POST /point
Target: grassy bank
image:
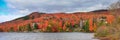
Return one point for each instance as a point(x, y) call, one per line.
point(109, 32)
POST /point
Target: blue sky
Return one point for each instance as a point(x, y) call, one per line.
point(11, 9)
point(2, 6)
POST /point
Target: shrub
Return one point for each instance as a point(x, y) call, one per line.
point(102, 32)
point(110, 32)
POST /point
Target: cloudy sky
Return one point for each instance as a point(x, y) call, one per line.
point(11, 9)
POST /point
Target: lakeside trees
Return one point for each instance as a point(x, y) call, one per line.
point(59, 23)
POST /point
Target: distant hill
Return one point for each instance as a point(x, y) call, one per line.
point(102, 10)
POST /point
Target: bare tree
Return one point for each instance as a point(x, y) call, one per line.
point(115, 10)
point(115, 5)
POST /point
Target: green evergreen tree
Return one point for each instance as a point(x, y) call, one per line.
point(35, 26)
point(86, 26)
point(26, 18)
point(29, 27)
point(71, 27)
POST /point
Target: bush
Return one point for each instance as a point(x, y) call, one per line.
point(108, 32)
point(102, 32)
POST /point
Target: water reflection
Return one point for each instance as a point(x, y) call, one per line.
point(46, 36)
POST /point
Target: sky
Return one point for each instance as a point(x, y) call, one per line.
point(12, 9)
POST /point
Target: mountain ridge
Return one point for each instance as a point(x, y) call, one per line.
point(37, 14)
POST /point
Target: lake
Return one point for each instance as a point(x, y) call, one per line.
point(47, 36)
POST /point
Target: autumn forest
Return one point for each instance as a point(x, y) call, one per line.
point(59, 22)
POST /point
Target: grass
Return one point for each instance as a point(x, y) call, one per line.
point(111, 32)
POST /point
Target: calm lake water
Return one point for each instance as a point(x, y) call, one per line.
point(47, 36)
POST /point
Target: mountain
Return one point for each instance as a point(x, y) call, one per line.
point(43, 20)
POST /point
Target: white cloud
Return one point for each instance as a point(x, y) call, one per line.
point(4, 18)
point(91, 8)
point(57, 5)
point(11, 6)
point(24, 11)
point(19, 8)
